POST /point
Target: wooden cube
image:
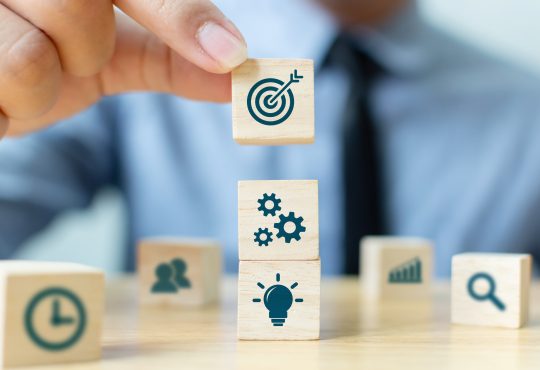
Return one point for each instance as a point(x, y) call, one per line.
point(51, 313)
point(278, 220)
point(279, 300)
point(491, 289)
point(396, 267)
point(272, 102)
point(176, 272)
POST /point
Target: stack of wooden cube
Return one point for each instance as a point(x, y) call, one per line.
point(278, 226)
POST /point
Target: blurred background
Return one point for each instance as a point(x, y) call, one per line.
point(509, 29)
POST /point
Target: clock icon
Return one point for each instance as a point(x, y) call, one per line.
point(55, 319)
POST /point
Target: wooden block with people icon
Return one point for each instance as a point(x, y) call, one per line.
point(491, 289)
point(178, 271)
point(273, 102)
point(50, 313)
point(396, 267)
point(279, 300)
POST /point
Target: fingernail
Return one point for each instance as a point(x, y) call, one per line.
point(224, 47)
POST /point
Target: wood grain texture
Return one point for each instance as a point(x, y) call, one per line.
point(302, 278)
point(298, 196)
point(298, 128)
point(382, 256)
point(355, 334)
point(203, 270)
point(511, 274)
point(21, 282)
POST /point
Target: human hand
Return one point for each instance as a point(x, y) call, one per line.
point(58, 57)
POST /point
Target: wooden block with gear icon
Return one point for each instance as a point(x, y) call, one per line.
point(279, 300)
point(178, 272)
point(273, 102)
point(396, 268)
point(51, 313)
point(278, 220)
point(491, 289)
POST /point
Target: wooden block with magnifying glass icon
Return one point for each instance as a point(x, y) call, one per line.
point(178, 271)
point(279, 300)
point(50, 313)
point(396, 268)
point(491, 289)
point(273, 102)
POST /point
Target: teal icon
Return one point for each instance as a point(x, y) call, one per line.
point(288, 227)
point(271, 101)
point(409, 272)
point(64, 329)
point(171, 277)
point(263, 237)
point(278, 299)
point(489, 294)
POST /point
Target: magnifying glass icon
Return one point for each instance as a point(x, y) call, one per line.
point(490, 294)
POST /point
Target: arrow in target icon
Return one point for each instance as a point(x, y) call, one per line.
point(294, 77)
point(271, 101)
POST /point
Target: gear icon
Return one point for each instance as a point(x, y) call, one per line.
point(298, 228)
point(263, 237)
point(263, 204)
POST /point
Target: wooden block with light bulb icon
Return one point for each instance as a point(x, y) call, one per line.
point(178, 271)
point(279, 300)
point(51, 313)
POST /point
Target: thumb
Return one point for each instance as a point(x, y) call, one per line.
point(195, 29)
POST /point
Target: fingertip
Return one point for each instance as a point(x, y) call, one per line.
point(222, 45)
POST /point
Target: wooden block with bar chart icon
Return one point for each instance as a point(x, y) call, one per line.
point(278, 220)
point(396, 267)
point(178, 272)
point(491, 289)
point(51, 313)
point(273, 102)
point(279, 300)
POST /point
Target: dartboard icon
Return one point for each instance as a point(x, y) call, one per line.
point(271, 101)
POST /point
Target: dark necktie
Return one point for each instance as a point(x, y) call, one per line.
point(361, 163)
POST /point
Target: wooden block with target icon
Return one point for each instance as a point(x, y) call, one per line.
point(278, 220)
point(279, 300)
point(50, 313)
point(273, 102)
point(491, 289)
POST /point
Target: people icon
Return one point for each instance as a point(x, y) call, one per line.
point(164, 284)
point(171, 277)
point(180, 268)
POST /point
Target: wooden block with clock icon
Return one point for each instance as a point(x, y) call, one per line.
point(50, 312)
point(178, 271)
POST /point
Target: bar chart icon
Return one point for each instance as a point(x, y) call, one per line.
point(409, 272)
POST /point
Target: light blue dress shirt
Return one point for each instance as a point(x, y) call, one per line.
point(459, 133)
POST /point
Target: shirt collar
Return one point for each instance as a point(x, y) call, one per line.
point(302, 29)
point(403, 44)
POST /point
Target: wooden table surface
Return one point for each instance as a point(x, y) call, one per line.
point(354, 335)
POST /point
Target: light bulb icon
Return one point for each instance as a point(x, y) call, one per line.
point(278, 299)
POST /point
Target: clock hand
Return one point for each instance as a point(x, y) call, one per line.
point(57, 319)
